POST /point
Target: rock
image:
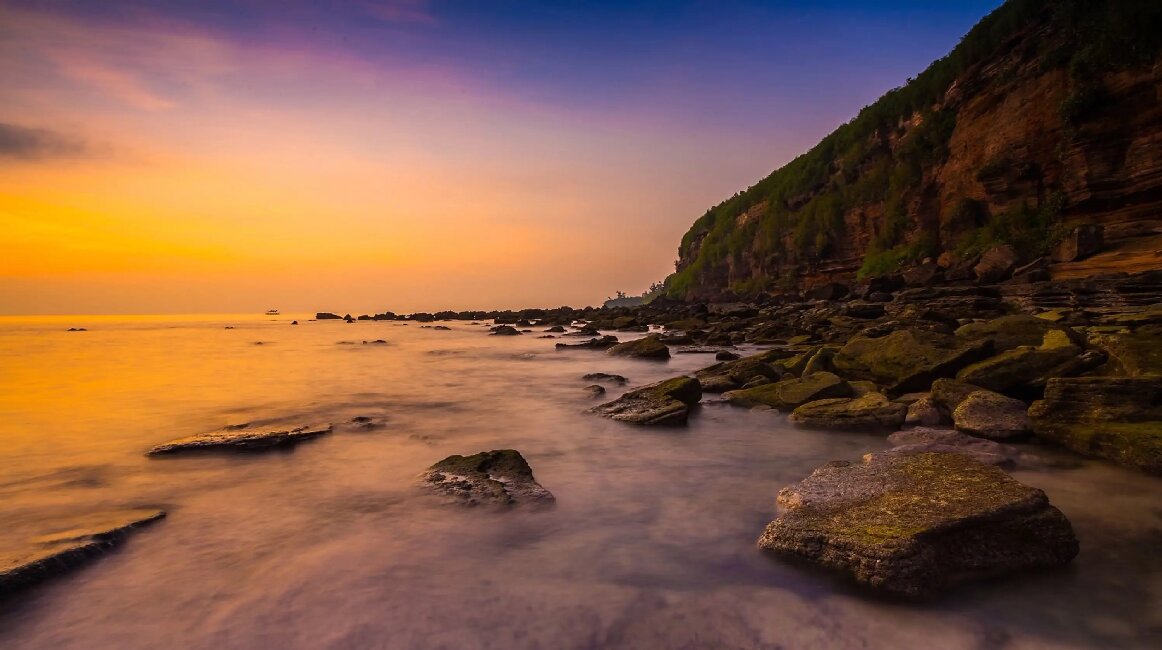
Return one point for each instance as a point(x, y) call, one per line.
point(923, 412)
point(602, 343)
point(789, 394)
point(441, 327)
point(731, 375)
point(827, 291)
point(907, 360)
point(375, 342)
point(991, 415)
point(294, 322)
point(67, 544)
point(604, 376)
point(870, 411)
point(596, 390)
point(649, 347)
point(81, 329)
point(242, 437)
point(326, 315)
point(556, 329)
point(664, 403)
point(498, 478)
point(1081, 242)
point(996, 264)
point(923, 275)
point(947, 394)
point(725, 355)
point(504, 330)
point(1132, 354)
point(1119, 419)
point(1023, 371)
point(1008, 332)
point(922, 440)
point(915, 525)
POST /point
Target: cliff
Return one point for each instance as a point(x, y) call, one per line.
point(1041, 130)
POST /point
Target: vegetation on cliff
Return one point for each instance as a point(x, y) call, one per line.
point(882, 161)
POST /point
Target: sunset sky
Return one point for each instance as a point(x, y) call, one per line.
point(176, 156)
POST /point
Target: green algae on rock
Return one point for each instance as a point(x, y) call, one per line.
point(731, 375)
point(68, 544)
point(915, 525)
point(789, 394)
point(909, 359)
point(986, 414)
point(664, 403)
point(867, 412)
point(501, 477)
point(1115, 418)
point(649, 347)
point(1008, 332)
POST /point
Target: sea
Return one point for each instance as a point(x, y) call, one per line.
point(651, 543)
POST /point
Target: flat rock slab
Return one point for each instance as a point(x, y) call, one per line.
point(921, 440)
point(664, 403)
point(68, 544)
point(500, 477)
point(914, 525)
point(872, 411)
point(243, 437)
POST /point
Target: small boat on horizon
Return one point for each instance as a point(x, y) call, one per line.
point(272, 312)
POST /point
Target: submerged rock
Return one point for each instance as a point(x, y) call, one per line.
point(1119, 419)
point(605, 376)
point(870, 411)
point(907, 360)
point(918, 524)
point(790, 394)
point(67, 545)
point(504, 330)
point(664, 403)
point(500, 477)
point(649, 347)
point(603, 343)
point(596, 390)
point(991, 415)
point(922, 440)
point(241, 437)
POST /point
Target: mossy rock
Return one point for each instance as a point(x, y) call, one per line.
point(1115, 418)
point(869, 412)
point(501, 477)
point(990, 415)
point(788, 394)
point(908, 360)
point(731, 375)
point(1023, 370)
point(664, 403)
point(821, 361)
point(917, 524)
point(1008, 332)
point(947, 394)
point(1132, 354)
point(649, 347)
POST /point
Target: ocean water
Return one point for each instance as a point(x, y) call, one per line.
point(651, 543)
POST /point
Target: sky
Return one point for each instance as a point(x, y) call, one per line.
point(407, 155)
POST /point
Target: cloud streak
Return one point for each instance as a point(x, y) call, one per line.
point(25, 143)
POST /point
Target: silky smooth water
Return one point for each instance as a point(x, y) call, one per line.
point(651, 543)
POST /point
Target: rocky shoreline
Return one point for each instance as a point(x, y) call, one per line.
point(952, 376)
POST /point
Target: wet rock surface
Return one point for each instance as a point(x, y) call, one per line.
point(501, 477)
point(915, 525)
point(664, 403)
point(991, 415)
point(789, 394)
point(868, 412)
point(920, 440)
point(68, 544)
point(600, 343)
point(908, 359)
point(1115, 418)
point(649, 347)
point(241, 438)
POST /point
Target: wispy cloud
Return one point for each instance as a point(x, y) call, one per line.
point(400, 11)
point(25, 143)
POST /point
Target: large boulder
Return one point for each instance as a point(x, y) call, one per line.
point(62, 545)
point(1008, 332)
point(1024, 370)
point(788, 394)
point(1132, 354)
point(947, 394)
point(922, 440)
point(991, 415)
point(996, 264)
point(1119, 419)
point(907, 360)
point(501, 477)
point(1081, 242)
point(870, 411)
point(649, 347)
point(917, 524)
point(241, 437)
point(731, 375)
point(664, 403)
point(924, 412)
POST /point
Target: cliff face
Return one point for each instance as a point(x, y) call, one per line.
point(1046, 118)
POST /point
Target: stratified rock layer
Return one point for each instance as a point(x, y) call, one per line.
point(243, 437)
point(918, 524)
